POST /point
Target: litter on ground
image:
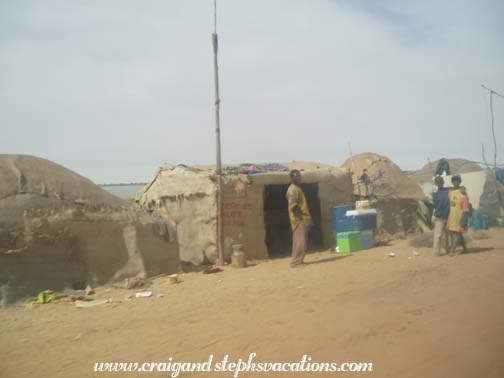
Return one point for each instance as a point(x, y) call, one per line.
point(96, 302)
point(143, 294)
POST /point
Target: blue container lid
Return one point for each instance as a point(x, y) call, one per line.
point(339, 212)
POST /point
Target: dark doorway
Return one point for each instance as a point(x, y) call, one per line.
point(276, 219)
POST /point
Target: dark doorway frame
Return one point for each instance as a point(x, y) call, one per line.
point(276, 219)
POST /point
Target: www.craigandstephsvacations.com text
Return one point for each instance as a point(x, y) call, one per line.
point(304, 365)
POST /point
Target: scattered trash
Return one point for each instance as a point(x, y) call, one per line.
point(79, 335)
point(173, 278)
point(415, 253)
point(14, 251)
point(96, 302)
point(75, 298)
point(107, 290)
point(212, 269)
point(391, 254)
point(46, 296)
point(89, 290)
point(143, 294)
point(337, 249)
point(160, 295)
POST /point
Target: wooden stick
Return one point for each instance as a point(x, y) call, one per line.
point(218, 170)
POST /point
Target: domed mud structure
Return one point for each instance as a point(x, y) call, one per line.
point(58, 229)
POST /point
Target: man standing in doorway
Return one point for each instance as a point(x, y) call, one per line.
point(441, 201)
point(300, 218)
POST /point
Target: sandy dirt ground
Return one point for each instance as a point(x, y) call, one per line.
point(421, 316)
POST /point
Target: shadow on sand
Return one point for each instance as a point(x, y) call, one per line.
point(478, 250)
point(328, 259)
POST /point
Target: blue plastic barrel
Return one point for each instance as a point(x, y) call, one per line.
point(339, 212)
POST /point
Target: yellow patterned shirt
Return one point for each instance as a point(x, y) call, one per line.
point(296, 197)
point(459, 204)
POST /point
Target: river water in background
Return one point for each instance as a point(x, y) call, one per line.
point(124, 191)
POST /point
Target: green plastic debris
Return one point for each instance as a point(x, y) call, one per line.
point(46, 296)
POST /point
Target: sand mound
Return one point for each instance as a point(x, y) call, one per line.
point(28, 182)
point(398, 200)
point(456, 165)
point(388, 180)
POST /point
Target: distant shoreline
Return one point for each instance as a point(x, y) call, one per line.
point(124, 184)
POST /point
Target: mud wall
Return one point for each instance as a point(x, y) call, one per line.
point(56, 252)
point(243, 217)
point(243, 207)
point(399, 217)
point(188, 197)
point(196, 222)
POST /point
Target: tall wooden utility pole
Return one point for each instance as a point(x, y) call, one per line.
point(218, 160)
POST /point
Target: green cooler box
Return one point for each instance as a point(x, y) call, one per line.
point(350, 241)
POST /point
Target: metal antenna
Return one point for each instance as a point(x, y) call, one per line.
point(492, 92)
point(215, 16)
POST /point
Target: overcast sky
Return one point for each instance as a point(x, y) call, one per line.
point(113, 89)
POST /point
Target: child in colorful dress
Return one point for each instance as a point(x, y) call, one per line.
point(459, 215)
